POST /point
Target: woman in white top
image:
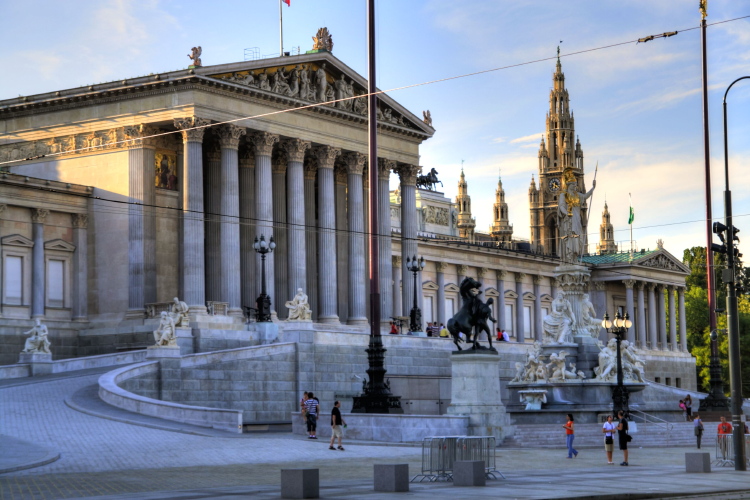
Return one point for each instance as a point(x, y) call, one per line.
point(609, 429)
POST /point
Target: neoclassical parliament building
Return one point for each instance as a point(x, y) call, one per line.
point(118, 197)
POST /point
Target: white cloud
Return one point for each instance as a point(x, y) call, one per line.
point(527, 138)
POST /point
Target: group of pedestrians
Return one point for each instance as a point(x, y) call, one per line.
point(609, 429)
point(310, 408)
point(686, 405)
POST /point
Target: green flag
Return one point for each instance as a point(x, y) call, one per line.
point(632, 214)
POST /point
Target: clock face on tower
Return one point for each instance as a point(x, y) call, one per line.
point(554, 184)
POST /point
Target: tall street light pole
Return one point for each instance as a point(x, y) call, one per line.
point(263, 302)
point(620, 394)
point(733, 324)
point(415, 317)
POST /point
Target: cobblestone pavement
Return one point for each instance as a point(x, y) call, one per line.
point(104, 457)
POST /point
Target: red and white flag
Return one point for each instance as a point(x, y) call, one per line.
point(287, 2)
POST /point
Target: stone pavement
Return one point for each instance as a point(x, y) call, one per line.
point(101, 455)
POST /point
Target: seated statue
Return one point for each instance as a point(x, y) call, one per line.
point(632, 365)
point(37, 343)
point(165, 335)
point(588, 320)
point(534, 369)
point(180, 313)
point(299, 307)
point(558, 369)
point(558, 324)
point(607, 368)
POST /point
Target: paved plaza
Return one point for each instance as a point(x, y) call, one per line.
point(93, 451)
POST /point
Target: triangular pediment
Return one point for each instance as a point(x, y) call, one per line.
point(300, 80)
point(491, 292)
point(16, 240)
point(59, 245)
point(510, 294)
point(430, 285)
point(546, 298)
point(662, 260)
point(452, 287)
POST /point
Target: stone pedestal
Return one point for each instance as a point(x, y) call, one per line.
point(475, 392)
point(268, 332)
point(185, 340)
point(392, 478)
point(300, 483)
point(163, 351)
point(40, 363)
point(587, 354)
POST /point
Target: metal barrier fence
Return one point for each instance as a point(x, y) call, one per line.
point(440, 453)
point(725, 450)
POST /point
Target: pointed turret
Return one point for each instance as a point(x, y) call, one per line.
point(466, 223)
point(501, 228)
point(606, 233)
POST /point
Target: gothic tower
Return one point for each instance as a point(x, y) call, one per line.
point(466, 223)
point(606, 234)
point(555, 155)
point(501, 229)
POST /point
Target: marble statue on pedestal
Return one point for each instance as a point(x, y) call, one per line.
point(558, 370)
point(589, 322)
point(558, 324)
point(632, 364)
point(180, 313)
point(299, 307)
point(37, 343)
point(570, 219)
point(607, 368)
point(166, 334)
point(534, 398)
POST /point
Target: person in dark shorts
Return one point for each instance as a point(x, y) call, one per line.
point(622, 434)
point(311, 405)
point(336, 423)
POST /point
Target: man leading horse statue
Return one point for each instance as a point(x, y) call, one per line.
point(472, 317)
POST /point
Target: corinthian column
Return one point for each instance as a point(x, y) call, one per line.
point(231, 292)
point(662, 317)
point(384, 241)
point(247, 225)
point(342, 240)
point(440, 267)
point(263, 143)
point(80, 267)
point(683, 324)
point(141, 223)
point(327, 281)
point(672, 320)
point(281, 257)
point(520, 334)
point(38, 280)
point(193, 266)
point(408, 175)
point(653, 334)
point(629, 306)
point(500, 275)
point(212, 204)
point(641, 317)
point(311, 237)
point(295, 214)
point(355, 164)
point(538, 332)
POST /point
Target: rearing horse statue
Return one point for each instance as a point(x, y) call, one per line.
point(472, 317)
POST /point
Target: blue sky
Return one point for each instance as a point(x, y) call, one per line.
point(637, 106)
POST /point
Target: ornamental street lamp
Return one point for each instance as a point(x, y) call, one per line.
point(619, 328)
point(263, 302)
point(415, 317)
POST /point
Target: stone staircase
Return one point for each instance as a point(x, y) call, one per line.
point(590, 435)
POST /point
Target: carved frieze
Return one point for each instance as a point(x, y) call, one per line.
point(436, 215)
point(661, 262)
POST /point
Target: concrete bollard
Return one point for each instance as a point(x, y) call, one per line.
point(391, 477)
point(698, 462)
point(469, 473)
point(300, 483)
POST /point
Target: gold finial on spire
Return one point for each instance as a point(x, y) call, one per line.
point(703, 7)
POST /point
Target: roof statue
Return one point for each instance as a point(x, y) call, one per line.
point(571, 224)
point(323, 40)
point(195, 55)
point(427, 117)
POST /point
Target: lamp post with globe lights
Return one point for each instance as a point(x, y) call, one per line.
point(263, 302)
point(415, 317)
point(619, 328)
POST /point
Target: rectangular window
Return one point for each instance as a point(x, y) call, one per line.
point(668, 381)
point(449, 308)
point(657, 380)
point(427, 313)
point(527, 322)
point(55, 283)
point(13, 273)
point(509, 319)
point(677, 382)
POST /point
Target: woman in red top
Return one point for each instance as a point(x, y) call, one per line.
point(570, 436)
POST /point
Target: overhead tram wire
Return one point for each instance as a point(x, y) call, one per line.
point(404, 87)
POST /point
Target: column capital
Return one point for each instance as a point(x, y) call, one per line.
point(295, 149)
point(639, 285)
point(681, 290)
point(537, 279)
point(38, 215)
point(441, 266)
point(192, 127)
point(262, 142)
point(311, 167)
point(279, 161)
point(365, 178)
point(246, 156)
point(2, 208)
point(520, 277)
point(672, 288)
point(482, 272)
point(599, 286)
point(407, 173)
point(355, 162)
point(629, 284)
point(326, 155)
point(659, 287)
point(650, 286)
point(229, 135)
point(80, 221)
point(340, 174)
point(135, 135)
point(461, 269)
point(213, 150)
point(384, 168)
point(500, 274)
point(396, 260)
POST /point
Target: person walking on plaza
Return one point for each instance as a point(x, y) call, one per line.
point(311, 405)
point(698, 428)
point(609, 440)
point(336, 426)
point(570, 436)
point(623, 437)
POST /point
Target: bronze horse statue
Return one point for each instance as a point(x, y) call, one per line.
point(429, 180)
point(472, 318)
